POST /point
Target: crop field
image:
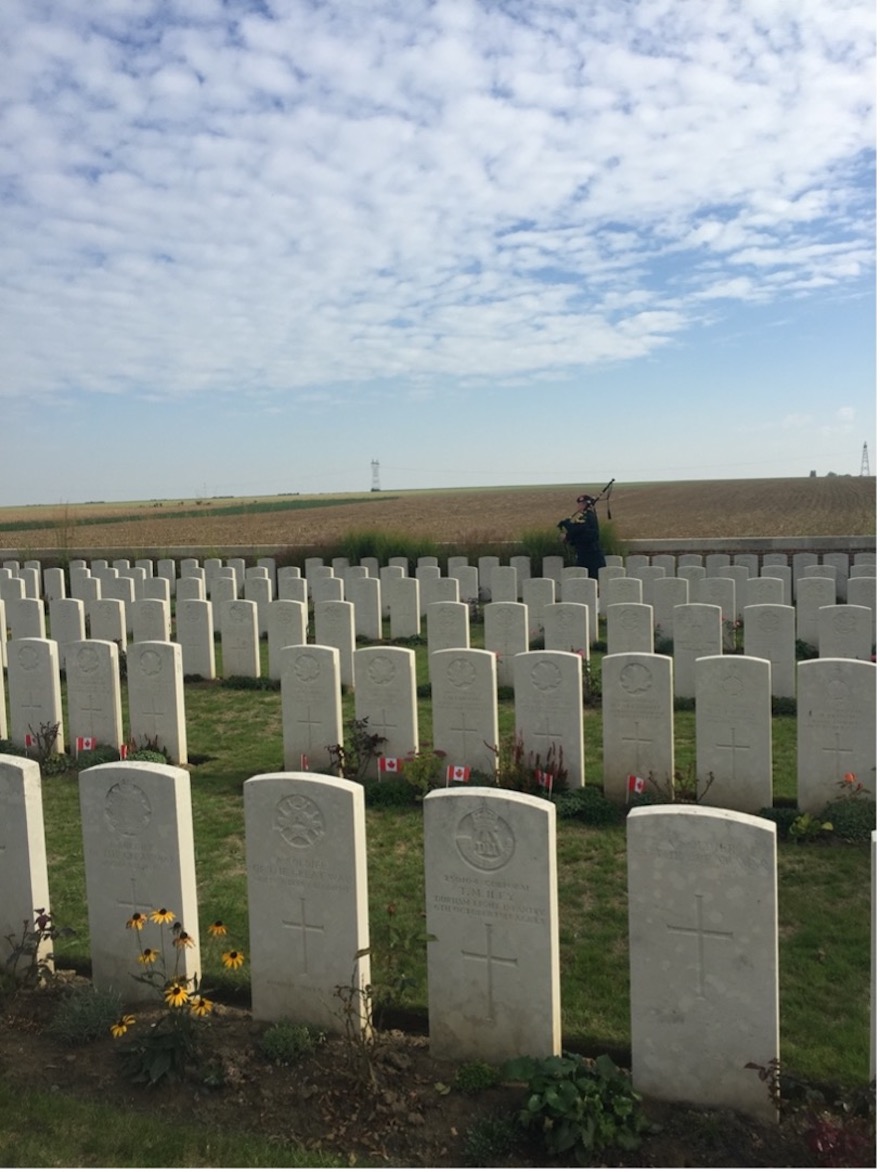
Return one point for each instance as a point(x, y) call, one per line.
point(796, 507)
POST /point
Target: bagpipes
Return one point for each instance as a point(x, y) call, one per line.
point(590, 502)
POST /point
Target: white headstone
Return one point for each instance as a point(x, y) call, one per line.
point(24, 878)
point(94, 701)
point(504, 584)
point(307, 898)
point(505, 633)
point(836, 729)
point(668, 594)
point(637, 727)
point(67, 622)
point(812, 592)
point(464, 708)
point(385, 696)
point(768, 633)
point(696, 631)
point(536, 594)
point(139, 857)
point(567, 627)
point(404, 608)
point(34, 692)
point(334, 627)
point(155, 697)
point(239, 638)
point(150, 620)
point(195, 634)
point(845, 632)
point(584, 590)
point(704, 984)
point(733, 732)
point(365, 596)
point(288, 627)
point(448, 626)
point(630, 627)
point(492, 919)
point(549, 711)
point(311, 705)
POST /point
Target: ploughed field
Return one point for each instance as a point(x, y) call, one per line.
point(795, 507)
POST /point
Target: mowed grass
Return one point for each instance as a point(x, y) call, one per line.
point(824, 890)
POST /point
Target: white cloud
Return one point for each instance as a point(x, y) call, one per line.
point(206, 198)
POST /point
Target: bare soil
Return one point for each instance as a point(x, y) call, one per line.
point(410, 1116)
point(793, 507)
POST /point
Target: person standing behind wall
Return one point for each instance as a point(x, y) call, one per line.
point(581, 532)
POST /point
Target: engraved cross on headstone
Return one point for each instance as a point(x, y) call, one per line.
point(304, 929)
point(489, 959)
point(701, 935)
point(133, 904)
point(638, 742)
point(381, 722)
point(463, 728)
point(733, 747)
point(838, 752)
point(552, 738)
point(310, 724)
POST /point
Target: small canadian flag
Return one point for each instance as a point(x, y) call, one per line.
point(635, 785)
point(544, 780)
point(29, 740)
point(457, 773)
point(123, 752)
point(84, 744)
point(390, 764)
point(304, 762)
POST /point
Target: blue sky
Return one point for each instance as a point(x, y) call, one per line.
point(249, 247)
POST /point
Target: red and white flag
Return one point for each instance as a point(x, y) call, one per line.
point(85, 744)
point(458, 773)
point(30, 741)
point(304, 762)
point(123, 752)
point(544, 780)
point(634, 785)
point(390, 764)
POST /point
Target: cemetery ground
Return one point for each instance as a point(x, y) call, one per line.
point(70, 1104)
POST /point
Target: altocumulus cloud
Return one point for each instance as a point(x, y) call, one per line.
point(204, 196)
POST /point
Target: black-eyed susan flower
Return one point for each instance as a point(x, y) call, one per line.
point(233, 959)
point(137, 921)
point(201, 1006)
point(121, 1027)
point(149, 956)
point(176, 993)
point(161, 915)
point(218, 928)
point(184, 940)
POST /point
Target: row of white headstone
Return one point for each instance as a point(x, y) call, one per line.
point(836, 714)
point(703, 932)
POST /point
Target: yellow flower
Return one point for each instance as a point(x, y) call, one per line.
point(183, 940)
point(162, 916)
point(149, 956)
point(218, 928)
point(137, 921)
point(233, 959)
point(121, 1027)
point(201, 1006)
point(176, 993)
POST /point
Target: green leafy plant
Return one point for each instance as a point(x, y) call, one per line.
point(475, 1076)
point(580, 1106)
point(85, 1014)
point(807, 828)
point(288, 1042)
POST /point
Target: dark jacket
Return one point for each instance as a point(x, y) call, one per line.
point(581, 532)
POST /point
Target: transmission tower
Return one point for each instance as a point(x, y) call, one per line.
point(866, 469)
point(374, 464)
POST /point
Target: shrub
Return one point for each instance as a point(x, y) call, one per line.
point(84, 1014)
point(783, 816)
point(587, 805)
point(475, 1076)
point(288, 1042)
point(853, 821)
point(389, 793)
